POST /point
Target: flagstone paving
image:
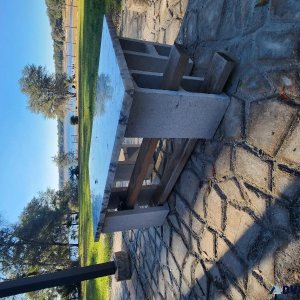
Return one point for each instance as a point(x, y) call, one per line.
point(234, 226)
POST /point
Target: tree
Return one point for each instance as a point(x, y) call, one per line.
point(47, 93)
point(74, 120)
point(39, 242)
point(55, 12)
point(104, 92)
point(36, 244)
point(69, 194)
point(51, 293)
point(64, 159)
point(74, 172)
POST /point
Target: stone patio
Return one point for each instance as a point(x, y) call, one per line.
point(234, 227)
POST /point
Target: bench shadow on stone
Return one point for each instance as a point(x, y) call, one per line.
point(157, 265)
point(231, 270)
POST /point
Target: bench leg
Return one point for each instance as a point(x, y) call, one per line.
point(136, 218)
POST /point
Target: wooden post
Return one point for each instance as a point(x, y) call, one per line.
point(175, 68)
point(140, 169)
point(174, 71)
point(219, 70)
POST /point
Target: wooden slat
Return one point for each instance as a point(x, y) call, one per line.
point(147, 62)
point(219, 70)
point(175, 68)
point(140, 169)
point(174, 71)
point(151, 49)
point(136, 218)
point(173, 170)
point(214, 82)
point(152, 80)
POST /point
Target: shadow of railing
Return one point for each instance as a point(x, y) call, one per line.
point(273, 236)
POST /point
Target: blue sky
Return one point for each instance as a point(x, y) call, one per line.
point(28, 141)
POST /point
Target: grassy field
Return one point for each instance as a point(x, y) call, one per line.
point(91, 14)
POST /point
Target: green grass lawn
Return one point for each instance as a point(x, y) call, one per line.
point(91, 14)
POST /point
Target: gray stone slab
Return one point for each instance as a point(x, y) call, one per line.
point(130, 153)
point(124, 171)
point(147, 62)
point(160, 49)
point(112, 107)
point(119, 194)
point(277, 46)
point(163, 114)
point(135, 218)
point(133, 45)
point(152, 80)
point(288, 10)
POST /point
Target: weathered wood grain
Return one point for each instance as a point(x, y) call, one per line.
point(219, 70)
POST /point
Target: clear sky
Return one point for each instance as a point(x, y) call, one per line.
point(28, 141)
